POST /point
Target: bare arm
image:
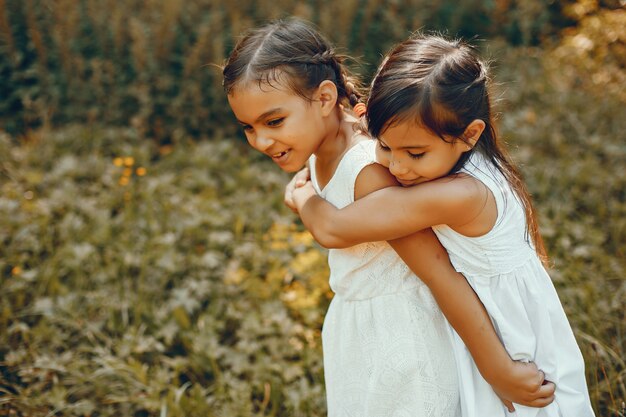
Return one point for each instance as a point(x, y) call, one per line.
point(422, 252)
point(390, 213)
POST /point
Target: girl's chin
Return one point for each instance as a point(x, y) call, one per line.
point(290, 169)
point(290, 165)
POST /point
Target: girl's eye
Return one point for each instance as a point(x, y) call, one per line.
point(275, 122)
point(417, 155)
point(246, 128)
point(382, 147)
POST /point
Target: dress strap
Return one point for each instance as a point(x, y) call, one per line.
point(361, 155)
point(352, 163)
point(486, 172)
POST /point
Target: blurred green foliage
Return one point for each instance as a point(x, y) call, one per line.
point(144, 62)
point(139, 280)
point(165, 277)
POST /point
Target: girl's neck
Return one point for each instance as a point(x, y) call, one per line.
point(341, 137)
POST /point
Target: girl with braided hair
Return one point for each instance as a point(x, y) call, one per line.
point(387, 351)
point(430, 110)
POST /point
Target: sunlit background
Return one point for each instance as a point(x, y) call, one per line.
point(148, 265)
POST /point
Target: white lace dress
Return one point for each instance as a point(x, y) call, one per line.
point(504, 270)
point(387, 349)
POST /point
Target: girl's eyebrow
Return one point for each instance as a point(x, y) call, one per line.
point(405, 147)
point(414, 147)
point(264, 115)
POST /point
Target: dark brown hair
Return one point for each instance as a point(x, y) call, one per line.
point(442, 85)
point(293, 52)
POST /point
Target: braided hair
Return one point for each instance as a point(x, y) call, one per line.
point(293, 53)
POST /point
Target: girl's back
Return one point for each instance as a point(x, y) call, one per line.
point(509, 278)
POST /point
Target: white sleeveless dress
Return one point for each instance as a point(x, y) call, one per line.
point(510, 280)
point(387, 348)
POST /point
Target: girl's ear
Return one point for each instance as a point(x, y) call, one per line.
point(327, 96)
point(473, 131)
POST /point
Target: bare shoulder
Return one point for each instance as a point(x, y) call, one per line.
point(372, 178)
point(458, 188)
point(469, 203)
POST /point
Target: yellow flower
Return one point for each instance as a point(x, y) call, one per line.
point(124, 181)
point(141, 171)
point(303, 238)
point(305, 262)
point(129, 161)
point(118, 162)
point(127, 172)
point(279, 245)
point(16, 270)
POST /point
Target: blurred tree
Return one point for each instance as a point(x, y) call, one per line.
point(143, 63)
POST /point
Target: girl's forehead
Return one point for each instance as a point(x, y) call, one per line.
point(403, 127)
point(252, 99)
point(261, 88)
point(408, 132)
point(273, 79)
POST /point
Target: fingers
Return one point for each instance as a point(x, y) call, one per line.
point(543, 396)
point(291, 205)
point(542, 377)
point(533, 389)
point(298, 180)
point(288, 198)
point(536, 377)
point(542, 402)
point(302, 177)
point(546, 390)
point(543, 389)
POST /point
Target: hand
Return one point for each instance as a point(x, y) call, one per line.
point(526, 385)
point(302, 194)
point(298, 180)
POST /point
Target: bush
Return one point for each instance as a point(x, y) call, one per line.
point(138, 281)
point(148, 63)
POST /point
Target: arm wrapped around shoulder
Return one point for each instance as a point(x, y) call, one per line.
point(317, 216)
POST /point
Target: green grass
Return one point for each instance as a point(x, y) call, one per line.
point(159, 296)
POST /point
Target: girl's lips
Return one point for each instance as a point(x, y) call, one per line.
point(281, 157)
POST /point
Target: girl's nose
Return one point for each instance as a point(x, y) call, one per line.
point(396, 167)
point(262, 143)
